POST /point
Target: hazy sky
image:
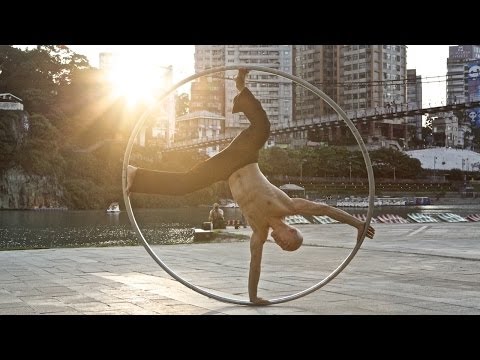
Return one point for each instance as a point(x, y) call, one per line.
point(180, 56)
point(429, 60)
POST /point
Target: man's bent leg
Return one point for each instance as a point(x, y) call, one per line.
point(161, 182)
point(198, 177)
point(242, 151)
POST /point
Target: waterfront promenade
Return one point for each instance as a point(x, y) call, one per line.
point(406, 269)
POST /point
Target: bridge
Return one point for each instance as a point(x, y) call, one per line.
point(360, 116)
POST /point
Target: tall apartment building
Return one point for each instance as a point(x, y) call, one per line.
point(208, 92)
point(317, 64)
point(209, 56)
point(372, 76)
point(414, 98)
point(457, 68)
point(274, 92)
point(357, 77)
point(463, 80)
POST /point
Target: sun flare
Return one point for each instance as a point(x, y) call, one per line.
point(136, 81)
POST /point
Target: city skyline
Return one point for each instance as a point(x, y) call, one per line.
point(430, 61)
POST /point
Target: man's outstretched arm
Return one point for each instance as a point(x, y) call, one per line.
point(306, 207)
point(256, 250)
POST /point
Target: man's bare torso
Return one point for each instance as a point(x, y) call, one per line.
point(257, 197)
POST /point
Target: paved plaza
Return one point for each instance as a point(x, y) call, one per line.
point(407, 269)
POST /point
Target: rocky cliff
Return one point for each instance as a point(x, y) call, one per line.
point(13, 130)
point(19, 190)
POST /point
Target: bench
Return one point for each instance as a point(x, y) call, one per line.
point(203, 235)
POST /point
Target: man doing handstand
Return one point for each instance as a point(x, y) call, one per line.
point(264, 205)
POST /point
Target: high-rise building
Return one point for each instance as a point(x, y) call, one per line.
point(317, 64)
point(463, 80)
point(414, 99)
point(458, 58)
point(372, 76)
point(209, 56)
point(274, 92)
point(208, 92)
point(357, 77)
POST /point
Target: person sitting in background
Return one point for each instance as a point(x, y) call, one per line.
point(216, 217)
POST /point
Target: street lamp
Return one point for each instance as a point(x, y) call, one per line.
point(394, 177)
point(434, 173)
point(350, 167)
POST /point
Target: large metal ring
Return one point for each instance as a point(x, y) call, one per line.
point(323, 96)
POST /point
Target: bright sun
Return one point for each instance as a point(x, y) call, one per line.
point(138, 82)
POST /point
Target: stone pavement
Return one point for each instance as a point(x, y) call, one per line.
point(406, 269)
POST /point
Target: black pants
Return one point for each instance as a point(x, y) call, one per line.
point(243, 150)
point(218, 224)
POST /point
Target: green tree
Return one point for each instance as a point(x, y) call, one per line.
point(278, 161)
point(385, 160)
point(38, 75)
point(40, 154)
point(455, 175)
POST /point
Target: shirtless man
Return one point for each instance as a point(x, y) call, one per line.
point(263, 204)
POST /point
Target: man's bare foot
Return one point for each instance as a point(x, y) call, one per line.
point(240, 79)
point(370, 232)
point(131, 171)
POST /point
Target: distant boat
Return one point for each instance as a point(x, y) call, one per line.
point(113, 208)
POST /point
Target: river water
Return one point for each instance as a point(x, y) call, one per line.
point(52, 229)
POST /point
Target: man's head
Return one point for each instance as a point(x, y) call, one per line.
point(287, 237)
point(216, 206)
